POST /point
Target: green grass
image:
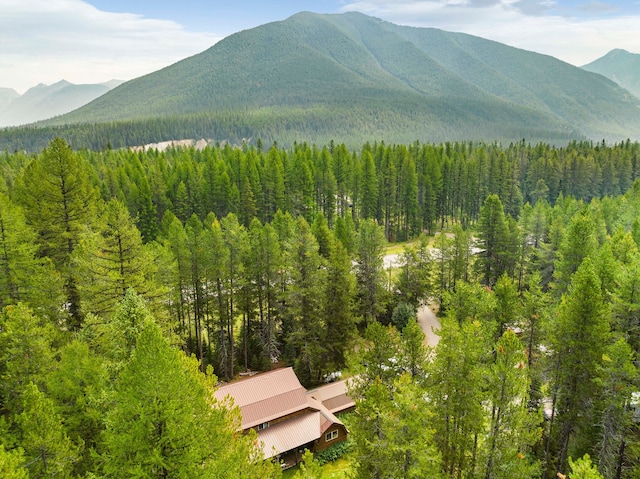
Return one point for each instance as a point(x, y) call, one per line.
point(397, 248)
point(332, 470)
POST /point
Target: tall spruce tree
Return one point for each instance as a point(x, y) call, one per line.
point(114, 259)
point(165, 423)
point(59, 201)
point(578, 339)
point(369, 270)
point(23, 276)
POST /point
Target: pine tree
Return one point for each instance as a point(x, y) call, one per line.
point(493, 235)
point(369, 187)
point(339, 307)
point(48, 450)
point(578, 337)
point(262, 269)
point(112, 260)
point(11, 464)
point(455, 382)
point(306, 329)
point(513, 428)
point(26, 354)
point(414, 280)
point(579, 241)
point(23, 276)
point(59, 201)
point(616, 383)
point(235, 239)
point(369, 270)
point(165, 422)
point(79, 386)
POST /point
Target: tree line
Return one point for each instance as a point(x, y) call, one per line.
point(538, 302)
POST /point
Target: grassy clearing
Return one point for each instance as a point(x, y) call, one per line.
point(397, 248)
point(337, 469)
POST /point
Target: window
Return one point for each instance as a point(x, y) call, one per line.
point(330, 436)
point(262, 426)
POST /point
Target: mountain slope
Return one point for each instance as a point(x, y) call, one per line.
point(42, 101)
point(620, 66)
point(338, 66)
point(7, 95)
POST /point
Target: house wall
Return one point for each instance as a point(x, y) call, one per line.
point(322, 444)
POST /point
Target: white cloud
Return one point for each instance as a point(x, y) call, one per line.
point(525, 24)
point(44, 41)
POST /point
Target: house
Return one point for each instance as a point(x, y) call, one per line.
point(334, 397)
point(286, 417)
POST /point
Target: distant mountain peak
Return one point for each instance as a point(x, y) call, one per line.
point(46, 101)
point(621, 66)
point(380, 80)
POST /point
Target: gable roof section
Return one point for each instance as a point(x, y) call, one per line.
point(333, 396)
point(289, 434)
point(274, 395)
point(296, 431)
point(266, 397)
point(327, 419)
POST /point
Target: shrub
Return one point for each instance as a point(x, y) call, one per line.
point(334, 452)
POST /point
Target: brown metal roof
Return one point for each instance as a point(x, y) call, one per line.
point(333, 396)
point(277, 394)
point(289, 434)
point(267, 396)
point(273, 408)
point(326, 417)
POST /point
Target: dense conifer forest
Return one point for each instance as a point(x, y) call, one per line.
point(130, 282)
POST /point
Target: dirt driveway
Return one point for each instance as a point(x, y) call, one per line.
point(428, 321)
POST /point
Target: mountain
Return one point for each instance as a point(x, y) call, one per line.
point(354, 78)
point(7, 95)
point(42, 101)
point(620, 66)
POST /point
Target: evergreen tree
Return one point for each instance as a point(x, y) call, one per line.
point(392, 433)
point(615, 381)
point(369, 187)
point(23, 276)
point(11, 464)
point(114, 259)
point(414, 280)
point(235, 239)
point(583, 468)
point(339, 307)
point(262, 268)
point(175, 242)
point(306, 328)
point(26, 354)
point(578, 242)
point(369, 270)
point(59, 201)
point(345, 232)
point(165, 422)
point(309, 468)
point(493, 236)
point(455, 382)
point(513, 428)
point(578, 338)
point(48, 451)
point(79, 386)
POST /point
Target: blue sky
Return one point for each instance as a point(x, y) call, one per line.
point(90, 41)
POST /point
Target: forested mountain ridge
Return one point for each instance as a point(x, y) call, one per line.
point(324, 73)
point(46, 101)
point(621, 66)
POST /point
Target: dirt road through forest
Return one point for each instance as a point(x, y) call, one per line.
point(428, 320)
